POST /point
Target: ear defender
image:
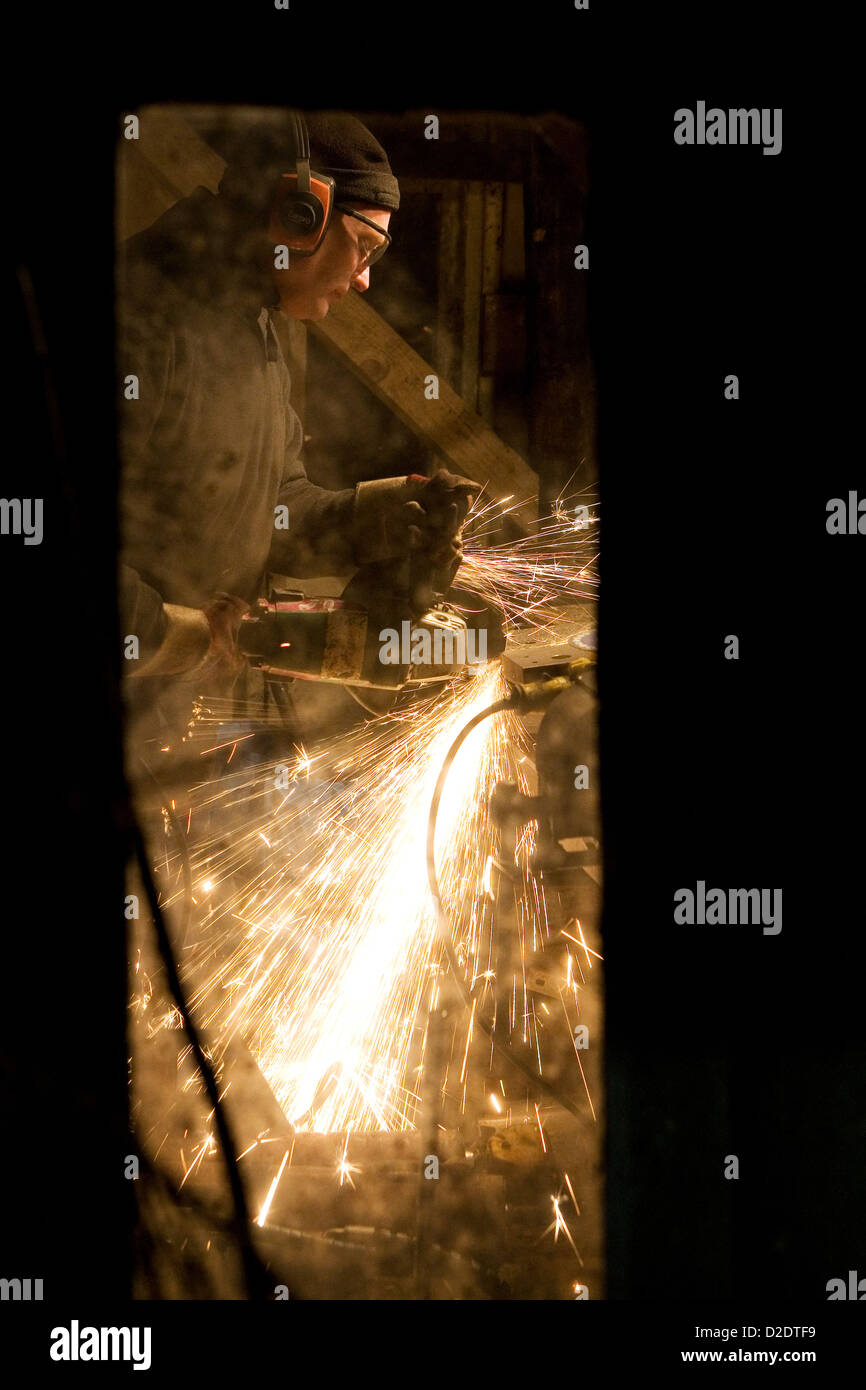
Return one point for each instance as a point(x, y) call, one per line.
point(300, 217)
point(303, 201)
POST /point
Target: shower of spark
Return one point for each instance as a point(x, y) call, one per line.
point(318, 938)
point(323, 952)
point(538, 576)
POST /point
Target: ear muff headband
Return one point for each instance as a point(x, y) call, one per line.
point(304, 202)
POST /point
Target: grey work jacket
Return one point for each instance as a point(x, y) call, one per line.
point(211, 447)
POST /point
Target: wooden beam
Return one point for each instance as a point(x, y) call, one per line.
point(395, 373)
point(166, 162)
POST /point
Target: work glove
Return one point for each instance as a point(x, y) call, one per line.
point(397, 517)
point(200, 643)
point(223, 661)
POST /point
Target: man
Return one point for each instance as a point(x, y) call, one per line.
point(211, 447)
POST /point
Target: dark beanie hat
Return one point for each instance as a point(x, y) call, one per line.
point(341, 146)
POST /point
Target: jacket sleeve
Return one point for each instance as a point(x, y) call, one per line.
point(318, 538)
point(141, 612)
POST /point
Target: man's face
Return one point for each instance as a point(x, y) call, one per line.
point(313, 283)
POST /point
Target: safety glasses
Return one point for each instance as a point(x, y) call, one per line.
point(373, 253)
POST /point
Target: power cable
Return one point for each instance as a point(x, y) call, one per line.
point(254, 1271)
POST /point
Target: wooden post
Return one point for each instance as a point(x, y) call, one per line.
point(473, 213)
point(562, 439)
point(449, 308)
point(491, 254)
